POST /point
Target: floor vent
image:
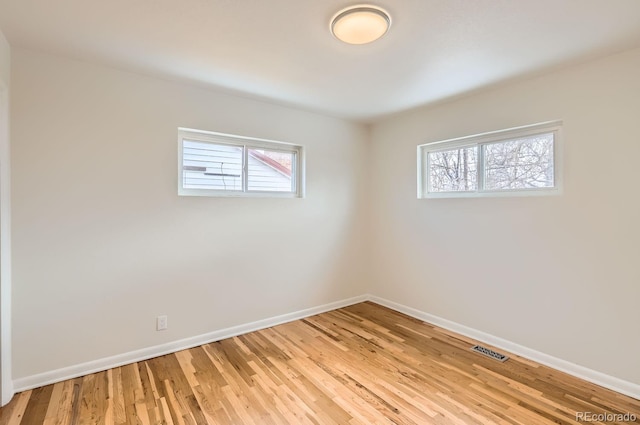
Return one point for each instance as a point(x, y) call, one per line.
point(489, 353)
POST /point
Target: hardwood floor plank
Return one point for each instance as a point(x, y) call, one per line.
point(362, 364)
point(129, 381)
point(56, 404)
point(166, 414)
point(14, 411)
point(37, 407)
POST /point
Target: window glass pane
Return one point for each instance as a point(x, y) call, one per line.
point(211, 166)
point(453, 170)
point(270, 171)
point(525, 163)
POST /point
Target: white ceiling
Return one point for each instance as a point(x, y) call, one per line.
point(282, 50)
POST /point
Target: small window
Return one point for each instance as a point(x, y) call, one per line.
point(519, 161)
point(215, 164)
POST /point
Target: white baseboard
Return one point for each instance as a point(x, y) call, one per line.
point(46, 378)
point(593, 376)
point(7, 392)
point(598, 378)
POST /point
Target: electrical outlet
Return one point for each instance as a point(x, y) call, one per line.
point(161, 323)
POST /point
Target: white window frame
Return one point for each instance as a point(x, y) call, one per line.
point(478, 140)
point(246, 143)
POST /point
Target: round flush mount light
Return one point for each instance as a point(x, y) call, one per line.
point(360, 24)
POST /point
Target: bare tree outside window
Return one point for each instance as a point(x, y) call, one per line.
point(519, 161)
point(525, 163)
point(454, 170)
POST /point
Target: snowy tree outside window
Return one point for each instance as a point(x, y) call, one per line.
point(515, 161)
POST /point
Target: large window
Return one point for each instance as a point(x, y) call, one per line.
point(519, 161)
point(215, 164)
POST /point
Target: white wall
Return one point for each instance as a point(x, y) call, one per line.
point(5, 56)
point(103, 244)
point(5, 226)
point(556, 274)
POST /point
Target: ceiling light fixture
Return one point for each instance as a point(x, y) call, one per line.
point(360, 24)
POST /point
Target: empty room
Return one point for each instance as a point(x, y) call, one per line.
point(319, 212)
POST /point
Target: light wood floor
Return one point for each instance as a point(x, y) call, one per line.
point(363, 364)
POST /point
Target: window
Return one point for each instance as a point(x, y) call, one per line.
point(215, 164)
point(518, 161)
